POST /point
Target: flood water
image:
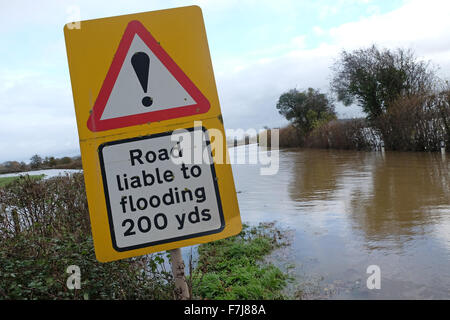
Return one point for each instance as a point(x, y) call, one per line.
point(48, 173)
point(345, 211)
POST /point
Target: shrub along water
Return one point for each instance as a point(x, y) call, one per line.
point(335, 134)
point(343, 134)
point(416, 123)
point(44, 228)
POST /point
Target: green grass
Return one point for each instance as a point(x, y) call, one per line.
point(233, 268)
point(7, 180)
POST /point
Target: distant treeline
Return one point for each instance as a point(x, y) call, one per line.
point(406, 106)
point(39, 163)
point(412, 124)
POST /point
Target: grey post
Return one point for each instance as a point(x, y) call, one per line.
point(181, 288)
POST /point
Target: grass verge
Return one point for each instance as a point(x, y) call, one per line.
point(4, 181)
point(233, 268)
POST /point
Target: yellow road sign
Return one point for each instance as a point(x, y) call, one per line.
point(152, 141)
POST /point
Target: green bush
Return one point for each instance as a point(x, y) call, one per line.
point(44, 228)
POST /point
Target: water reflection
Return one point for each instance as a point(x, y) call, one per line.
point(353, 209)
point(409, 192)
point(390, 196)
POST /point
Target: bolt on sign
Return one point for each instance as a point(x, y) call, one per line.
point(156, 167)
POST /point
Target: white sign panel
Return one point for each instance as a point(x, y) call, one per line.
point(153, 196)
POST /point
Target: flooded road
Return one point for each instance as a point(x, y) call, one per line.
point(349, 210)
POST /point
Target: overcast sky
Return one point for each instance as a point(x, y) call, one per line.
point(259, 49)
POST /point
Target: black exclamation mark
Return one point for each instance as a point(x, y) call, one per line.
point(141, 65)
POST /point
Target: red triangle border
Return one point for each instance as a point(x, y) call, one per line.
point(135, 27)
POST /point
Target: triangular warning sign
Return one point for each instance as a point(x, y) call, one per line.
point(143, 84)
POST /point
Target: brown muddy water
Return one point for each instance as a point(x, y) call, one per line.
point(346, 211)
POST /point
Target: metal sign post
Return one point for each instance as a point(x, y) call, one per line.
point(181, 291)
